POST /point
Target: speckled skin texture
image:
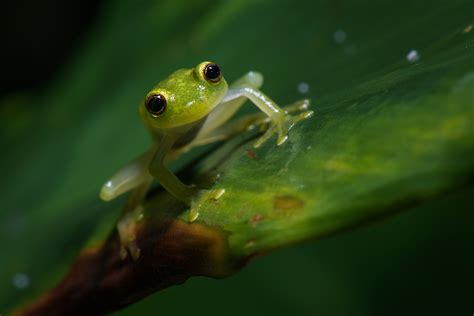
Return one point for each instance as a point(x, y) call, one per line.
point(189, 96)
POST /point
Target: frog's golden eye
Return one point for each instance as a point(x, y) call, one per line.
point(212, 73)
point(156, 104)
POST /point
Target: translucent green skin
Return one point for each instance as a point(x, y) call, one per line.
point(190, 97)
point(197, 111)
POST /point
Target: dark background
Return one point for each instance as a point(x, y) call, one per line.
point(38, 37)
point(420, 262)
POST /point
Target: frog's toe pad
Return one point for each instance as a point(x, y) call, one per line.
point(305, 104)
point(303, 116)
point(282, 127)
point(281, 139)
point(216, 194)
point(202, 197)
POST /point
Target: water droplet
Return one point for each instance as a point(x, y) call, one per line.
point(413, 56)
point(309, 147)
point(21, 281)
point(340, 36)
point(303, 87)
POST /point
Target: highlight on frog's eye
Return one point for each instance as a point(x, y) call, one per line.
point(263, 140)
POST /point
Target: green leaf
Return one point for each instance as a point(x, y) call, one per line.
point(388, 133)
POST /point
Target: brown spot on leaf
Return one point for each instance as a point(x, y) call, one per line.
point(251, 154)
point(255, 219)
point(287, 204)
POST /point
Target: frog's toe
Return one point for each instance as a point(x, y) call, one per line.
point(300, 105)
point(281, 139)
point(305, 104)
point(266, 136)
point(202, 197)
point(216, 194)
point(130, 247)
point(282, 127)
point(302, 116)
point(193, 214)
point(290, 122)
point(127, 227)
point(282, 131)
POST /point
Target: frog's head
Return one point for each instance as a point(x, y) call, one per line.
point(184, 97)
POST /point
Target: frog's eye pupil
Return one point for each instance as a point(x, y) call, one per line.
point(212, 72)
point(156, 104)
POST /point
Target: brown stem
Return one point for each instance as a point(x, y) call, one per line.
point(100, 281)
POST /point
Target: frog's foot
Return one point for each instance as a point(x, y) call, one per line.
point(281, 125)
point(298, 106)
point(263, 122)
point(126, 228)
point(200, 198)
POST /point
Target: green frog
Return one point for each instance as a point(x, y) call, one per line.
point(188, 109)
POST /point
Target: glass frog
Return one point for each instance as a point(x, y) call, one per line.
point(187, 109)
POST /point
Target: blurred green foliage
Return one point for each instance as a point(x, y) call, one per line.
point(388, 133)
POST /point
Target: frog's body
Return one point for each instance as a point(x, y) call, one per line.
point(188, 109)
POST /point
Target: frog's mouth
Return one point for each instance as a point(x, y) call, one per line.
point(191, 131)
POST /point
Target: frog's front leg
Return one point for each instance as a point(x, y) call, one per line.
point(187, 194)
point(190, 195)
point(280, 121)
point(137, 177)
point(242, 124)
point(167, 179)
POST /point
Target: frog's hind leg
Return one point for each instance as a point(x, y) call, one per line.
point(127, 224)
point(128, 177)
point(136, 178)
